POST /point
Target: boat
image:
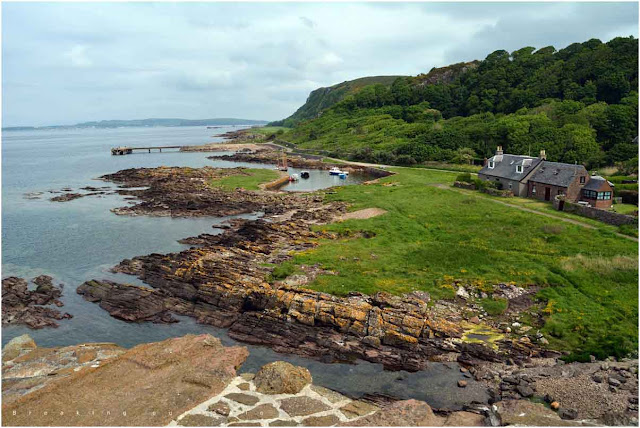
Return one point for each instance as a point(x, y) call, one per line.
point(294, 177)
point(343, 174)
point(304, 174)
point(334, 171)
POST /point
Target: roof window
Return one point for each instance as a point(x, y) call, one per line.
point(519, 169)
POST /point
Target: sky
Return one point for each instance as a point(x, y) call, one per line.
point(64, 63)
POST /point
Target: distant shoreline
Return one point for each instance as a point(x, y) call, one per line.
point(144, 123)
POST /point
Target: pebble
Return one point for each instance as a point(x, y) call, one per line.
point(555, 405)
point(597, 378)
point(614, 382)
point(569, 414)
point(462, 383)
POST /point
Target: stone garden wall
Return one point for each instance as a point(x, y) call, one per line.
point(605, 216)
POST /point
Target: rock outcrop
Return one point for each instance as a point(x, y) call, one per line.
point(29, 307)
point(149, 384)
point(27, 368)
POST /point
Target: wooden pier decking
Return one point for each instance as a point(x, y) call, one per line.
point(124, 150)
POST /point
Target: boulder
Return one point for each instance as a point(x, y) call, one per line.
point(281, 377)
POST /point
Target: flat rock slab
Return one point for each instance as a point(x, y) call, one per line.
point(320, 421)
point(402, 413)
point(201, 421)
point(357, 408)
point(246, 399)
point(302, 406)
point(147, 385)
point(263, 411)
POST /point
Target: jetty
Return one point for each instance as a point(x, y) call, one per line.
point(124, 150)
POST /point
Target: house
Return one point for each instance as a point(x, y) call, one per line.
point(598, 192)
point(510, 171)
point(538, 178)
point(551, 179)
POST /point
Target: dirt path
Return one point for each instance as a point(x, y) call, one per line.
point(529, 210)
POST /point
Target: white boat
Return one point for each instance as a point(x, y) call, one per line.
point(334, 171)
point(294, 177)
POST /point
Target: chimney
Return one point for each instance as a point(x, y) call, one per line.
point(543, 154)
point(486, 162)
point(499, 151)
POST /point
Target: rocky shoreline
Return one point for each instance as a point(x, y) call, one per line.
point(31, 307)
point(222, 282)
point(227, 280)
point(194, 381)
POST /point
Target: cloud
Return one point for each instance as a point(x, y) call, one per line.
point(254, 60)
point(78, 56)
point(308, 22)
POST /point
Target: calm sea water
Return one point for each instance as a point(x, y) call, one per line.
point(80, 240)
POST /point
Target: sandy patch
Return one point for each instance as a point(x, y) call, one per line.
point(362, 214)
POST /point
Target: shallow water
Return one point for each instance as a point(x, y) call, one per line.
point(81, 239)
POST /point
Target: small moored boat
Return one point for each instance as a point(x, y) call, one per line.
point(294, 177)
point(304, 174)
point(334, 171)
point(343, 174)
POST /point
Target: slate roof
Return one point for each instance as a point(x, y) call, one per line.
point(595, 182)
point(505, 166)
point(557, 174)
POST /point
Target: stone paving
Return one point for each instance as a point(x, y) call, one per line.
point(240, 404)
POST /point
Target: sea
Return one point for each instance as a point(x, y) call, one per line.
point(82, 239)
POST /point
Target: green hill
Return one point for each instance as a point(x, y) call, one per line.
point(323, 98)
point(579, 103)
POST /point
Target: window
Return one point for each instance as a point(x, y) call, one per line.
point(510, 185)
point(491, 164)
point(590, 194)
point(533, 189)
point(600, 195)
point(582, 179)
point(607, 195)
point(519, 169)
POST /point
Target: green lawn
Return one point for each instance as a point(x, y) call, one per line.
point(624, 208)
point(431, 235)
point(249, 179)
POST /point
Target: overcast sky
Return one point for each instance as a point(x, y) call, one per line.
point(65, 63)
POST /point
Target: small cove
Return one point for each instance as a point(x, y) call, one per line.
point(80, 240)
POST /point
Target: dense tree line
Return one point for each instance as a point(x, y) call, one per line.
point(580, 104)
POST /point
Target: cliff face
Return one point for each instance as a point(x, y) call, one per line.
point(323, 98)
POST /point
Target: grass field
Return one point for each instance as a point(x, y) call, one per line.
point(624, 208)
point(249, 179)
point(431, 235)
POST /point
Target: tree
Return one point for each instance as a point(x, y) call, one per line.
point(464, 155)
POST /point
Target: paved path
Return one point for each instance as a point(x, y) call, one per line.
point(529, 210)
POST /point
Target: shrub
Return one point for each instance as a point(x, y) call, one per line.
point(465, 178)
